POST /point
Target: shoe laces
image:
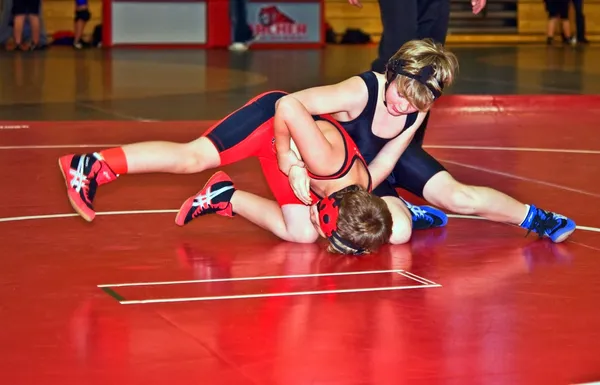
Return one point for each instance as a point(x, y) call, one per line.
point(541, 222)
point(419, 213)
point(79, 180)
point(203, 203)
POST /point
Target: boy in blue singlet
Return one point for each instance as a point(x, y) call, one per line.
point(375, 108)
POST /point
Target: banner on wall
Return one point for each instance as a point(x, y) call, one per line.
point(158, 22)
point(286, 22)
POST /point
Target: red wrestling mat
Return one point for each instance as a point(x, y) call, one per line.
point(133, 299)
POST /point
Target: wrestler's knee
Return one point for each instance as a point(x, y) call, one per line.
point(298, 227)
point(401, 231)
point(199, 155)
point(402, 222)
point(461, 199)
point(302, 234)
point(445, 191)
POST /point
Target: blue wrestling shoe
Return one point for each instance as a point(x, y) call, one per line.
point(426, 217)
point(548, 224)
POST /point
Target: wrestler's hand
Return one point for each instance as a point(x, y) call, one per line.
point(300, 183)
point(478, 5)
point(356, 3)
point(287, 160)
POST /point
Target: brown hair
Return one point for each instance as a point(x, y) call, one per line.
point(416, 55)
point(364, 220)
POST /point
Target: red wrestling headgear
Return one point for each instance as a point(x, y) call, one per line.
point(329, 210)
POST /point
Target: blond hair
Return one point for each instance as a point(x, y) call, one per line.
point(416, 55)
point(364, 220)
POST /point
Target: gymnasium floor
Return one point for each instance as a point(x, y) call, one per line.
point(133, 299)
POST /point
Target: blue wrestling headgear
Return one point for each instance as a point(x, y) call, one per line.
point(396, 67)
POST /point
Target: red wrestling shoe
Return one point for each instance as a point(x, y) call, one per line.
point(214, 198)
point(83, 174)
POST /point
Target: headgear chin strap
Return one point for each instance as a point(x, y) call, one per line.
point(329, 209)
point(396, 67)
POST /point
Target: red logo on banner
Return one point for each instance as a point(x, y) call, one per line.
point(274, 22)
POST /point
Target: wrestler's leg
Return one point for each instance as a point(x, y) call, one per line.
point(83, 173)
point(166, 157)
point(401, 216)
point(445, 191)
point(242, 134)
point(402, 227)
point(286, 217)
point(414, 168)
point(421, 174)
point(290, 222)
point(238, 136)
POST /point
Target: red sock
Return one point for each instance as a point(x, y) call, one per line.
point(116, 159)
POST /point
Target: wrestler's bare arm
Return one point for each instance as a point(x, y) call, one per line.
point(383, 164)
point(293, 121)
point(347, 97)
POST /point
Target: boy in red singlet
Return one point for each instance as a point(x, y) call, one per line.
point(354, 221)
point(346, 216)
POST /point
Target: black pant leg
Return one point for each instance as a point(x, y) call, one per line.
point(399, 20)
point(579, 19)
